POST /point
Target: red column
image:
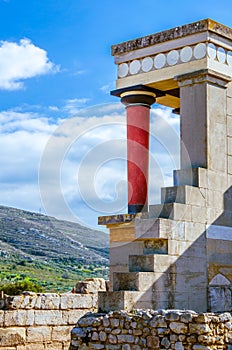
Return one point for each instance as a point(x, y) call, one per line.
point(138, 120)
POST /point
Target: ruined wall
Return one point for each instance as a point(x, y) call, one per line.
point(43, 321)
point(149, 329)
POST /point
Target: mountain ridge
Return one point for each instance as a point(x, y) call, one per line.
point(53, 253)
point(39, 235)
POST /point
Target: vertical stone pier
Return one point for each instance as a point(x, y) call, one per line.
point(176, 254)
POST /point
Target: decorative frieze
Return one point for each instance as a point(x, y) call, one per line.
point(173, 57)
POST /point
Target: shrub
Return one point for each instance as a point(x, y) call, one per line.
point(18, 287)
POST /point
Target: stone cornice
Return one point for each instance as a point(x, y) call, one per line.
point(171, 34)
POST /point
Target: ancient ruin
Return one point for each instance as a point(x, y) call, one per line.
point(170, 263)
point(177, 254)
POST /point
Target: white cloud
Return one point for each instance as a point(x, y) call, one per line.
point(108, 87)
point(72, 106)
point(79, 72)
point(20, 61)
point(82, 165)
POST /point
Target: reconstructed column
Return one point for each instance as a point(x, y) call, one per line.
point(179, 254)
point(203, 120)
point(137, 102)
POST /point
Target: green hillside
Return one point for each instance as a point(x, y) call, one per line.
point(53, 253)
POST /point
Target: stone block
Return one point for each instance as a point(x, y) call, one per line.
point(35, 346)
point(48, 317)
point(48, 301)
point(227, 199)
point(184, 194)
point(91, 286)
point(196, 248)
point(191, 177)
point(172, 211)
point(178, 230)
point(12, 336)
point(140, 281)
point(229, 125)
point(187, 282)
point(229, 143)
point(54, 346)
point(161, 299)
point(122, 233)
point(19, 318)
point(199, 214)
point(116, 268)
point(217, 151)
point(229, 90)
point(28, 300)
point(38, 334)
point(119, 252)
point(215, 199)
point(2, 313)
point(220, 298)
point(13, 302)
point(229, 163)
point(72, 316)
point(229, 106)
point(152, 228)
point(150, 263)
point(190, 264)
point(176, 248)
point(123, 300)
point(76, 301)
point(155, 246)
point(212, 215)
point(225, 219)
point(194, 230)
point(61, 333)
point(217, 181)
point(178, 327)
point(219, 251)
point(195, 300)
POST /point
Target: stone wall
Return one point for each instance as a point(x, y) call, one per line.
point(149, 329)
point(43, 321)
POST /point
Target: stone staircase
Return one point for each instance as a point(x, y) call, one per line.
point(167, 234)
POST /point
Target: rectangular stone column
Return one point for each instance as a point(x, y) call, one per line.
point(203, 120)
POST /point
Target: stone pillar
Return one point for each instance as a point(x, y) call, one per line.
point(203, 120)
point(137, 102)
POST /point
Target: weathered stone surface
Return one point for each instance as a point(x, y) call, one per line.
point(91, 285)
point(199, 328)
point(1, 318)
point(76, 301)
point(38, 334)
point(70, 317)
point(48, 317)
point(19, 318)
point(61, 333)
point(142, 330)
point(35, 321)
point(12, 336)
point(178, 327)
point(153, 342)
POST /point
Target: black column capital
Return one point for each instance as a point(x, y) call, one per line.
point(137, 94)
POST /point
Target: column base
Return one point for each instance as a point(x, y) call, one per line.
point(137, 208)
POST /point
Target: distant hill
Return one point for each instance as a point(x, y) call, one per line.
point(36, 235)
point(41, 246)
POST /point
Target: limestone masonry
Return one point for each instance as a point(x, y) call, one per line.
point(172, 256)
point(177, 254)
point(43, 321)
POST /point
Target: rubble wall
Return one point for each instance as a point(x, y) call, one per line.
point(149, 329)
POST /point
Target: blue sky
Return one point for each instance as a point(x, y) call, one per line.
point(62, 136)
